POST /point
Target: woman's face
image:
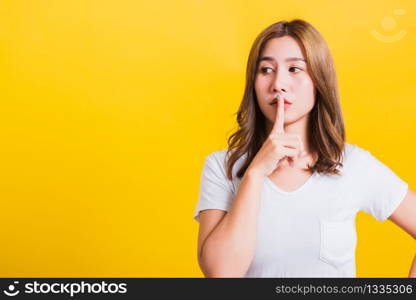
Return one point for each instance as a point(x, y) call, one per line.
point(282, 69)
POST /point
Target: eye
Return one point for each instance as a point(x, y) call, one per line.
point(264, 69)
point(295, 68)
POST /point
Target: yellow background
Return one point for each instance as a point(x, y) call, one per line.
point(108, 109)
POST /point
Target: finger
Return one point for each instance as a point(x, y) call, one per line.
point(290, 152)
point(280, 114)
point(292, 143)
point(278, 126)
point(297, 137)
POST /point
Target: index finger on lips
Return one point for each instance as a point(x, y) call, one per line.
point(278, 126)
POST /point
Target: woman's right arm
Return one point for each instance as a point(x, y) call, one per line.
point(228, 250)
point(226, 246)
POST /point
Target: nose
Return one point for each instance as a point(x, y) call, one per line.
point(279, 83)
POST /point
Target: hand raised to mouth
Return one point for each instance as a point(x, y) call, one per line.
point(278, 146)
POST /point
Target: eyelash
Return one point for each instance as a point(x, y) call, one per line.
point(264, 68)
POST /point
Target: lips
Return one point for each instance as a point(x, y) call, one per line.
point(285, 101)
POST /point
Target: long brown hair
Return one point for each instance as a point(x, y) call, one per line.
point(326, 125)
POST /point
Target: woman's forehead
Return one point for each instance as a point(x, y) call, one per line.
point(282, 49)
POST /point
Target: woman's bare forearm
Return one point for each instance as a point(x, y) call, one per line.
point(412, 272)
point(229, 249)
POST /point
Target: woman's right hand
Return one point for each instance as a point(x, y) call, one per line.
point(277, 147)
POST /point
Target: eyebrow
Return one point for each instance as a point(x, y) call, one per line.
point(269, 58)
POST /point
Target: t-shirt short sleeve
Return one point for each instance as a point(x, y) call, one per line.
point(383, 189)
point(215, 188)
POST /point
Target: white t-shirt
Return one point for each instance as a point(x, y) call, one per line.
point(310, 231)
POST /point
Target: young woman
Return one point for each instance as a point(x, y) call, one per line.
point(281, 201)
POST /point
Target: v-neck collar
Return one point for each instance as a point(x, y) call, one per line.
point(294, 192)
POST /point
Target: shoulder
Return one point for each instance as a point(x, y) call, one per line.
point(216, 156)
point(353, 158)
point(216, 161)
point(352, 149)
point(220, 157)
point(363, 161)
point(352, 153)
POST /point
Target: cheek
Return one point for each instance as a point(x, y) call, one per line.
point(259, 85)
point(305, 93)
point(260, 88)
point(305, 84)
point(305, 89)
